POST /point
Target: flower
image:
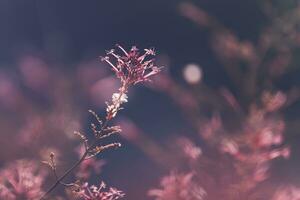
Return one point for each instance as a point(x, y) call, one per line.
point(93, 192)
point(288, 192)
point(189, 148)
point(179, 187)
point(21, 179)
point(132, 67)
point(119, 98)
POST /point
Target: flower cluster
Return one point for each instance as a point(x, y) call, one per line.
point(179, 187)
point(21, 179)
point(288, 192)
point(132, 67)
point(93, 192)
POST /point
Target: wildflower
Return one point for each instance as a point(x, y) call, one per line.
point(132, 67)
point(266, 137)
point(21, 179)
point(287, 193)
point(229, 146)
point(273, 102)
point(179, 187)
point(93, 192)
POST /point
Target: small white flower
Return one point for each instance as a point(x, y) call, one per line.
point(118, 98)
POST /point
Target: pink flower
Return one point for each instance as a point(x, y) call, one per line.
point(132, 67)
point(178, 187)
point(93, 192)
point(287, 193)
point(21, 179)
point(189, 148)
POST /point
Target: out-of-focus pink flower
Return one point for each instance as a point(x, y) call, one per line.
point(271, 134)
point(189, 148)
point(273, 102)
point(229, 146)
point(22, 179)
point(283, 152)
point(261, 172)
point(288, 192)
point(178, 187)
point(267, 138)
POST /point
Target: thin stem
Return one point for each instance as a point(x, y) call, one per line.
point(85, 155)
point(64, 175)
point(59, 180)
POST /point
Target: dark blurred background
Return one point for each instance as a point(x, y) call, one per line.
point(67, 34)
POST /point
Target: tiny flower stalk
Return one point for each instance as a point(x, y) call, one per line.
point(131, 68)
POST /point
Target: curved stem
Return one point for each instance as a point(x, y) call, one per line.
point(59, 180)
point(64, 175)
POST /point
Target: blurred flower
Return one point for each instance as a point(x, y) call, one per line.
point(273, 102)
point(21, 179)
point(178, 187)
point(288, 192)
point(229, 146)
point(189, 148)
point(261, 172)
point(267, 138)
